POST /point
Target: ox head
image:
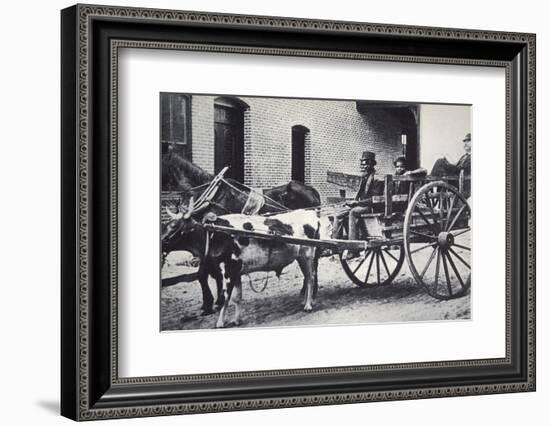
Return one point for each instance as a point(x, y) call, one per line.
point(175, 229)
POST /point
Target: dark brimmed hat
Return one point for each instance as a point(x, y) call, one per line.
point(368, 156)
point(400, 159)
point(467, 138)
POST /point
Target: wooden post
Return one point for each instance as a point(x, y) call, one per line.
point(388, 194)
point(461, 182)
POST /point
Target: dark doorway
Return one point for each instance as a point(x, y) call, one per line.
point(299, 134)
point(409, 121)
point(392, 121)
point(229, 137)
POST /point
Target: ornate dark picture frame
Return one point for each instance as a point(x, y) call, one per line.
point(90, 385)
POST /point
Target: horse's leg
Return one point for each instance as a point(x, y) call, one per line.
point(207, 298)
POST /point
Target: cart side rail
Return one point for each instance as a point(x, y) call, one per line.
point(415, 183)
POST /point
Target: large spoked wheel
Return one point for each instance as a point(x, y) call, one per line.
point(374, 266)
point(437, 238)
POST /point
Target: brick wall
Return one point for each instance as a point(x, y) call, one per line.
point(202, 123)
point(338, 134)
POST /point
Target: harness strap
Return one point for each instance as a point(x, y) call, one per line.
point(276, 204)
point(212, 188)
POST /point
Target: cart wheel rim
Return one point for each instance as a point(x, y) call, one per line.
point(373, 267)
point(437, 236)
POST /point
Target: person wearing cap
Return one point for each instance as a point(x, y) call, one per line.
point(442, 167)
point(361, 204)
point(464, 163)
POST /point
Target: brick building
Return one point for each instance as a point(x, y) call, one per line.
point(269, 141)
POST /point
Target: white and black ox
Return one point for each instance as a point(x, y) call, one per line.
point(230, 196)
point(241, 255)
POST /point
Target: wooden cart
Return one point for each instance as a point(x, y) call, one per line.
point(427, 223)
point(425, 220)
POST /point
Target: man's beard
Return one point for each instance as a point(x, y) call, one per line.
point(366, 172)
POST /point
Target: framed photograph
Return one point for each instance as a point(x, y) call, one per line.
point(263, 212)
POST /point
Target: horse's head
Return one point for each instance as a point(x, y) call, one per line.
point(179, 174)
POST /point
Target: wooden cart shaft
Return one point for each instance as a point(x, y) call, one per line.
point(334, 244)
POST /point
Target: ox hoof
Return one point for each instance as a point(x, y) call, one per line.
point(205, 312)
point(308, 308)
point(220, 325)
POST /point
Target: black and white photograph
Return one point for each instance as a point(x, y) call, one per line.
point(264, 212)
point(280, 212)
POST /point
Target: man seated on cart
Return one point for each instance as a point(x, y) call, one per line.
point(442, 166)
point(362, 204)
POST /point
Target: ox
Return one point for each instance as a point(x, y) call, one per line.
point(239, 255)
point(230, 197)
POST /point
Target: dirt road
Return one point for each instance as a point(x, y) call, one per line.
point(339, 301)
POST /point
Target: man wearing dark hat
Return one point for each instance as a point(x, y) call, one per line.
point(361, 205)
point(442, 167)
point(465, 161)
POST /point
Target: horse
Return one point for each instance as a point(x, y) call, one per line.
point(180, 174)
point(230, 197)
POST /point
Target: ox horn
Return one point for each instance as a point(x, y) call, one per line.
point(173, 215)
point(190, 208)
